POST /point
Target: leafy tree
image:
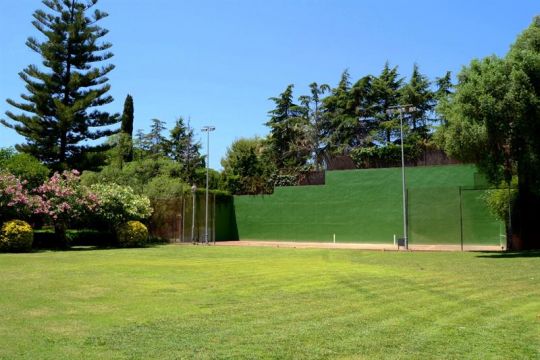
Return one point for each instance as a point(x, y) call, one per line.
point(27, 168)
point(417, 93)
point(288, 132)
point(386, 93)
point(126, 130)
point(311, 105)
point(493, 119)
point(136, 174)
point(444, 86)
point(339, 119)
point(157, 143)
point(246, 170)
point(184, 149)
point(60, 111)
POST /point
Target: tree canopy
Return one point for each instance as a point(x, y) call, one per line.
point(493, 119)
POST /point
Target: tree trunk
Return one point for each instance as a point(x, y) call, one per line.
point(526, 218)
point(60, 234)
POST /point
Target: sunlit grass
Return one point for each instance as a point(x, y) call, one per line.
point(220, 302)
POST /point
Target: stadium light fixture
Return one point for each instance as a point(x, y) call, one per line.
point(207, 129)
point(401, 109)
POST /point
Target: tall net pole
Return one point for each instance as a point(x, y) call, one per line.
point(207, 129)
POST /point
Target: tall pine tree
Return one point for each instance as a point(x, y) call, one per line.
point(60, 110)
point(185, 150)
point(417, 93)
point(386, 93)
point(288, 135)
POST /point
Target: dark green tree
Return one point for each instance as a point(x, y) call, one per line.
point(288, 133)
point(417, 92)
point(444, 86)
point(158, 145)
point(312, 111)
point(61, 106)
point(493, 119)
point(126, 130)
point(246, 170)
point(339, 120)
point(386, 93)
point(184, 149)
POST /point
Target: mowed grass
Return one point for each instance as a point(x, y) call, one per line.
point(189, 302)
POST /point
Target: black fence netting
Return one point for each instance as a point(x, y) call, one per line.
point(452, 215)
point(185, 219)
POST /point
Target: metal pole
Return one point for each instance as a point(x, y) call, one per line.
point(214, 220)
point(403, 181)
point(509, 230)
point(193, 197)
point(207, 129)
point(461, 217)
point(183, 215)
point(206, 206)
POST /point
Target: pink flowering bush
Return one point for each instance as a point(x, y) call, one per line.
point(62, 199)
point(15, 201)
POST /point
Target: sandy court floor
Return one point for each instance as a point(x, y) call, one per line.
point(383, 247)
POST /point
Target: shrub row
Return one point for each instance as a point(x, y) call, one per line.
point(18, 236)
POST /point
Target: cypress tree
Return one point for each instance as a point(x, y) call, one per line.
point(126, 130)
point(60, 108)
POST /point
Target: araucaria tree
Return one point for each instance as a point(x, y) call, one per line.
point(61, 106)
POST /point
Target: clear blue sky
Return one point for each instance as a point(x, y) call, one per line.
point(219, 61)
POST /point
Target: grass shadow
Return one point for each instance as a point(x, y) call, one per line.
point(510, 254)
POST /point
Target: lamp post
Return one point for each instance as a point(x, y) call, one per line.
point(207, 129)
point(400, 109)
point(193, 197)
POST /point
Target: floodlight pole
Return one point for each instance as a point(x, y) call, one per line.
point(207, 129)
point(193, 197)
point(405, 233)
point(400, 109)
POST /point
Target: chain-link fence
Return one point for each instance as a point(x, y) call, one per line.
point(183, 219)
point(453, 216)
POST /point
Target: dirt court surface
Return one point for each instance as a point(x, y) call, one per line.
point(384, 247)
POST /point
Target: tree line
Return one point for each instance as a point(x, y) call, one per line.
point(350, 119)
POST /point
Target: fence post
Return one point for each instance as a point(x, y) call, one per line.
point(460, 217)
point(181, 237)
point(214, 220)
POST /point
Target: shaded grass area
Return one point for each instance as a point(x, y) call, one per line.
point(218, 302)
point(366, 206)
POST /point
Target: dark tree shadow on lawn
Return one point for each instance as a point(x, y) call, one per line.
point(510, 254)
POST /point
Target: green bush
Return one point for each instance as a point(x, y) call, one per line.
point(118, 204)
point(384, 156)
point(164, 187)
point(25, 167)
point(17, 236)
point(132, 234)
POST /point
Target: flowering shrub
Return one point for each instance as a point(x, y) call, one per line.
point(62, 199)
point(14, 198)
point(119, 204)
point(16, 235)
point(132, 234)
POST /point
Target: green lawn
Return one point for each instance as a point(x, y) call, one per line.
point(188, 302)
